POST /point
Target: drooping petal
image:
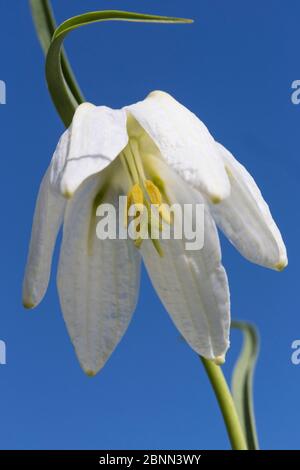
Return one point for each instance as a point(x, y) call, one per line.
point(59, 160)
point(246, 220)
point(192, 285)
point(95, 138)
point(184, 142)
point(48, 217)
point(98, 280)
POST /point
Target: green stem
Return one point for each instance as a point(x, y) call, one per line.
point(223, 395)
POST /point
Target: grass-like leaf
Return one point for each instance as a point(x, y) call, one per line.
point(242, 382)
point(63, 97)
point(45, 25)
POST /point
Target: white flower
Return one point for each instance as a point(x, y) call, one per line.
point(106, 153)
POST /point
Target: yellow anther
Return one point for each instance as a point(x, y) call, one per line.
point(153, 192)
point(165, 213)
point(156, 199)
point(135, 195)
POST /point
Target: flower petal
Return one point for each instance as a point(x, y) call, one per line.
point(246, 220)
point(48, 217)
point(95, 138)
point(192, 285)
point(184, 142)
point(98, 280)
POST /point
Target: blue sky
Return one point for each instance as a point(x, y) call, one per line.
point(233, 68)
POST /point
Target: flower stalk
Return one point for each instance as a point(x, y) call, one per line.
point(226, 404)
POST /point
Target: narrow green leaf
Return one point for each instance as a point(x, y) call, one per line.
point(242, 382)
point(114, 15)
point(64, 100)
point(44, 22)
point(45, 25)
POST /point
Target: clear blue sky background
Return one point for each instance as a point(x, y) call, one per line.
point(234, 68)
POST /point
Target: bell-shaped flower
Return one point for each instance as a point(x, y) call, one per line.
point(155, 151)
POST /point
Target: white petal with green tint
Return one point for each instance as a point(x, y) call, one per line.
point(47, 220)
point(246, 220)
point(98, 281)
point(95, 138)
point(192, 285)
point(184, 142)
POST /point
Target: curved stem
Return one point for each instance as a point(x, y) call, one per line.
point(225, 400)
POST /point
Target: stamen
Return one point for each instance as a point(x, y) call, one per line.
point(157, 199)
point(135, 151)
point(153, 193)
point(159, 183)
point(158, 247)
point(135, 196)
point(126, 168)
point(129, 157)
point(165, 213)
point(142, 191)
